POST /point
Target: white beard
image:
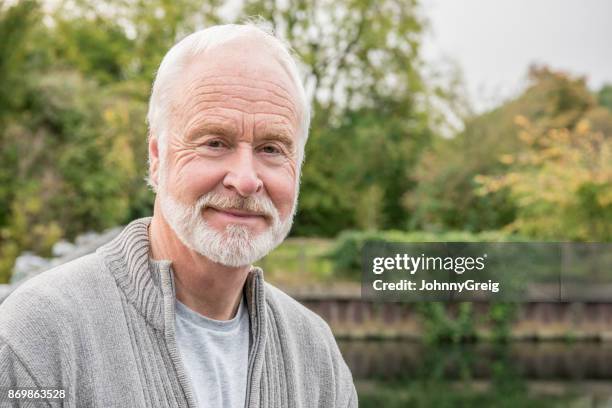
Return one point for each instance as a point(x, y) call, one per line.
point(237, 245)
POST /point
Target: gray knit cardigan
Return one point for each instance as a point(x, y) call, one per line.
point(102, 329)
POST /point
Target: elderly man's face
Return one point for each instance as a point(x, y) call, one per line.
point(232, 155)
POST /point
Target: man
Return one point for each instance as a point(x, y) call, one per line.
point(171, 313)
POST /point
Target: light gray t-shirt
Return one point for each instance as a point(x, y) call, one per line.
point(215, 354)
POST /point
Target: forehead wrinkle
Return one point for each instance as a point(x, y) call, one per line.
point(191, 103)
point(205, 75)
point(222, 95)
point(275, 124)
point(278, 114)
point(195, 110)
point(252, 102)
point(216, 89)
point(187, 118)
point(201, 82)
point(197, 88)
point(244, 126)
point(210, 120)
point(287, 103)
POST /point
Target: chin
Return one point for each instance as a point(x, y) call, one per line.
point(233, 245)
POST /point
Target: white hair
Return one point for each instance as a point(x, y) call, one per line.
point(195, 44)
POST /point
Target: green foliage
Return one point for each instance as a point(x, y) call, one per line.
point(16, 24)
point(357, 173)
point(72, 149)
point(441, 326)
point(298, 262)
point(456, 323)
point(444, 197)
point(604, 96)
point(98, 48)
point(449, 394)
point(72, 163)
point(500, 318)
point(561, 181)
point(447, 375)
point(448, 193)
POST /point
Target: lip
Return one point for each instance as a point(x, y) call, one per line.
point(237, 213)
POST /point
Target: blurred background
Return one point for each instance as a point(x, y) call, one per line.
point(433, 121)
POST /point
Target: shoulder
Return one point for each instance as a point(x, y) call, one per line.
point(42, 318)
point(50, 305)
point(59, 287)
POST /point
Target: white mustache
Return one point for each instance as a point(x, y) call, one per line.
point(261, 205)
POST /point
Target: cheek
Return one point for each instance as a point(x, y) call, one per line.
point(192, 178)
point(281, 187)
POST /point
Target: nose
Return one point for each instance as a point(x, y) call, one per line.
point(242, 176)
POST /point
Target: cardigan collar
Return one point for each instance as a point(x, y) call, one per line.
point(149, 286)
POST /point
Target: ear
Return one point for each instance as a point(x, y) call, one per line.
point(153, 161)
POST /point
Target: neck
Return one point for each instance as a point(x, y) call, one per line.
point(211, 289)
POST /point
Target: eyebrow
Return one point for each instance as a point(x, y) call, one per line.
point(210, 128)
point(280, 137)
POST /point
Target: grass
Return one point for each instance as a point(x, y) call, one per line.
point(299, 261)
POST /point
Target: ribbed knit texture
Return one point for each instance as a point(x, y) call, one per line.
point(102, 328)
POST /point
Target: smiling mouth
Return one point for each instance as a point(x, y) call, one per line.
point(238, 213)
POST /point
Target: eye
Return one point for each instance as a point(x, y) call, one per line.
point(270, 149)
point(215, 144)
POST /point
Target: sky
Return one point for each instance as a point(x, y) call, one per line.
point(494, 42)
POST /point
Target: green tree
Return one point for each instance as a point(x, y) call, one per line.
point(446, 195)
point(16, 24)
point(605, 96)
point(562, 183)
